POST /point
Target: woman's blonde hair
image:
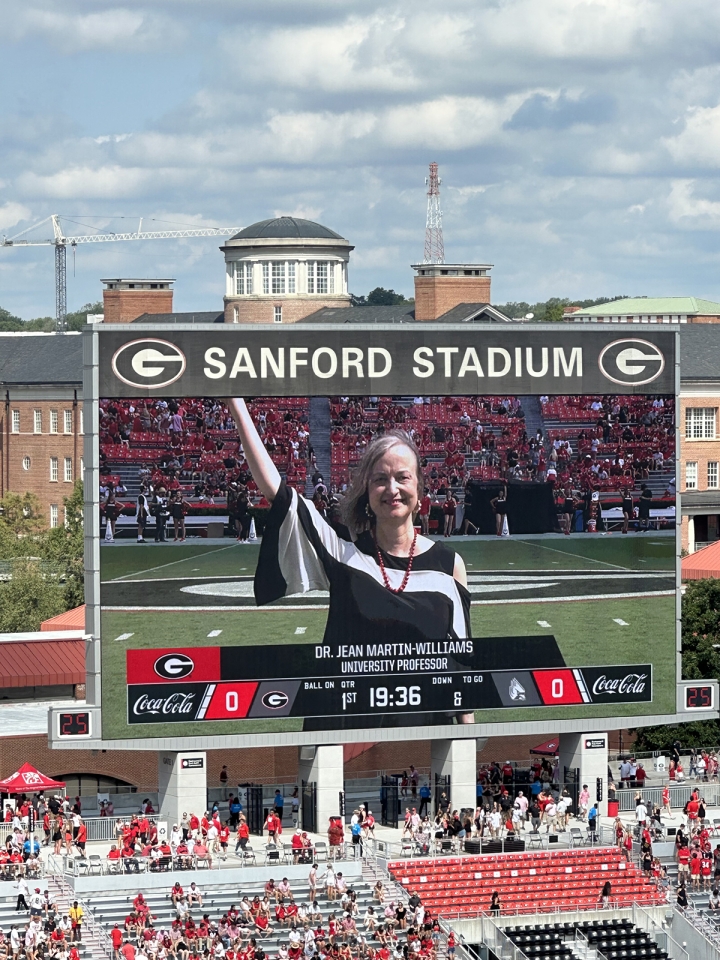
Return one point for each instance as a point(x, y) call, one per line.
point(354, 507)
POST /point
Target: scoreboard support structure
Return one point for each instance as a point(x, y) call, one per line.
point(456, 759)
point(182, 783)
point(323, 766)
point(588, 754)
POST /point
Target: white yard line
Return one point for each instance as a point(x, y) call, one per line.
point(575, 556)
point(172, 563)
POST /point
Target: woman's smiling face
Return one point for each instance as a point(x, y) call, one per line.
point(393, 486)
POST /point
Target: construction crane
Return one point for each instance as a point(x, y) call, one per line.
point(61, 242)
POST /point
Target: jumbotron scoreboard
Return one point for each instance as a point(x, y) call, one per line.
point(308, 680)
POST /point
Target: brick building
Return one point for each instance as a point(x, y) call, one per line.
point(41, 424)
point(282, 270)
point(698, 476)
point(648, 310)
point(126, 299)
point(439, 287)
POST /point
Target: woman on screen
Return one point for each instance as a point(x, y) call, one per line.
point(388, 584)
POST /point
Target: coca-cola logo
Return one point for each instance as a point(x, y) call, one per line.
point(630, 683)
point(175, 703)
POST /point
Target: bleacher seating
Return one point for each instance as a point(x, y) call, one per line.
point(616, 939)
point(110, 907)
point(130, 438)
point(443, 430)
point(526, 882)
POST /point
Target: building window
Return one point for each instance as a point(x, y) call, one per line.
point(243, 279)
point(68, 470)
point(26, 463)
point(691, 475)
point(236, 315)
point(317, 276)
point(700, 423)
point(82, 421)
point(53, 469)
point(712, 475)
point(67, 421)
point(278, 277)
point(266, 277)
point(53, 421)
point(16, 421)
point(278, 315)
point(53, 515)
point(37, 421)
point(290, 267)
point(82, 468)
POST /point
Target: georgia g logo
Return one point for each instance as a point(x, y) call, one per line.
point(174, 666)
point(149, 363)
point(631, 362)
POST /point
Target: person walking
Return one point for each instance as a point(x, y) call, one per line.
point(23, 893)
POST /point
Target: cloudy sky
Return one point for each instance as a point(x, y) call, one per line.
point(578, 142)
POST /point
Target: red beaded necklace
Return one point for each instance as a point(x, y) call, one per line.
point(381, 564)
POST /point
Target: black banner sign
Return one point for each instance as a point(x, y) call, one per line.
point(357, 360)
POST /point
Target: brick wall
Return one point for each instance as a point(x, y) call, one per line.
point(703, 319)
point(434, 296)
point(263, 311)
point(140, 767)
point(124, 306)
point(697, 451)
point(39, 447)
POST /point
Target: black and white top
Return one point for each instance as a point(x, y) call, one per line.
point(301, 552)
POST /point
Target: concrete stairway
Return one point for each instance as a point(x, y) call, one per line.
point(320, 440)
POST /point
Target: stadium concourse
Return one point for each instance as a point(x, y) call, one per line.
point(389, 896)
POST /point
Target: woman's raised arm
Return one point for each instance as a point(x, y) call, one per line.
point(263, 470)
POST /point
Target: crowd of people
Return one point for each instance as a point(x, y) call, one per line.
point(189, 456)
point(47, 934)
point(338, 929)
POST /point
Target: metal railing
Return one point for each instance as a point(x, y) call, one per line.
point(703, 924)
point(679, 795)
point(495, 938)
point(98, 866)
point(644, 921)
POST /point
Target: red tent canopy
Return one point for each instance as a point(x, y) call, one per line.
point(547, 749)
point(28, 780)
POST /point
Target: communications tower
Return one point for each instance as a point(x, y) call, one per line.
point(434, 247)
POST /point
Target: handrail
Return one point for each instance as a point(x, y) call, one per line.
point(706, 929)
point(639, 911)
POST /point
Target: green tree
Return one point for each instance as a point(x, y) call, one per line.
point(28, 597)
point(65, 546)
point(700, 661)
point(20, 518)
point(548, 310)
point(40, 325)
point(78, 318)
point(8, 322)
point(386, 298)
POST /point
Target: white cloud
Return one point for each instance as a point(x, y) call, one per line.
point(699, 142)
point(685, 209)
point(73, 31)
point(357, 54)
point(12, 213)
point(104, 182)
